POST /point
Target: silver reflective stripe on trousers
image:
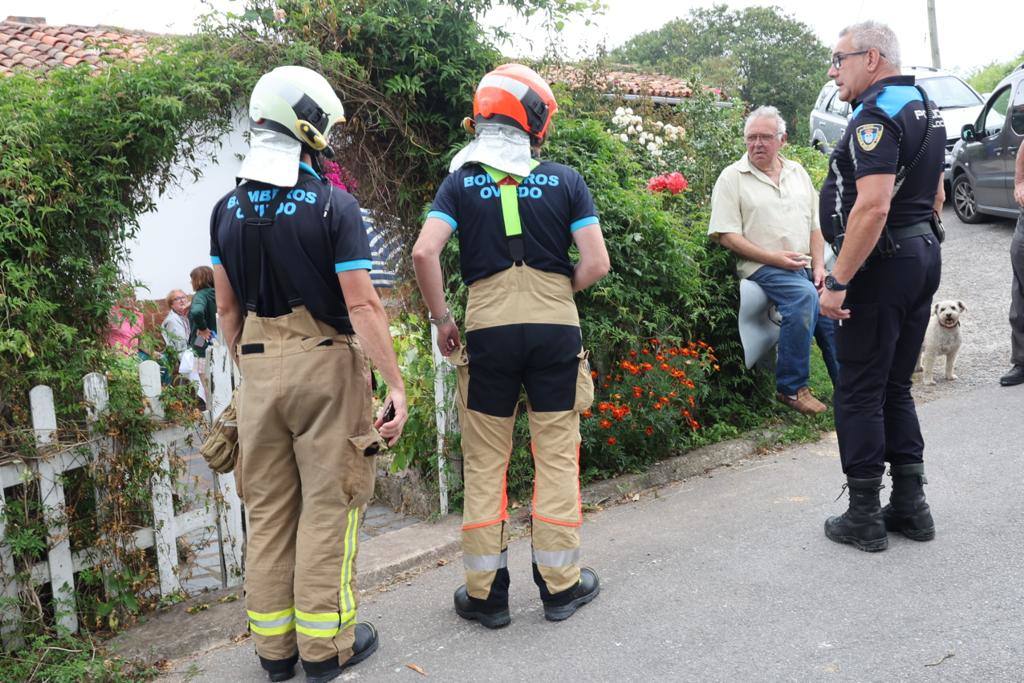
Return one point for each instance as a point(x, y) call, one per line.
point(328, 624)
point(556, 558)
point(270, 623)
point(485, 563)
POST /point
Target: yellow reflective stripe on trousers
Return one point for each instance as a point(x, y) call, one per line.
point(348, 601)
point(317, 624)
point(272, 623)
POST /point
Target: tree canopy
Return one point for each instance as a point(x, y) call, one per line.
point(760, 53)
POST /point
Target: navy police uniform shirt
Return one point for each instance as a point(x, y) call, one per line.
point(554, 202)
point(318, 232)
point(884, 134)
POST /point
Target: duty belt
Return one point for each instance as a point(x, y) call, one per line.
point(888, 243)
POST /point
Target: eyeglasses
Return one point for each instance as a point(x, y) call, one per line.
point(837, 58)
point(761, 137)
point(180, 298)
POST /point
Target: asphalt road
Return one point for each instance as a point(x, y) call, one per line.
point(729, 577)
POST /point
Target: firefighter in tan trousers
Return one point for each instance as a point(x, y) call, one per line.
point(291, 268)
point(516, 218)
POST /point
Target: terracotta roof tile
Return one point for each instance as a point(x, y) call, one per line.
point(622, 82)
point(28, 43)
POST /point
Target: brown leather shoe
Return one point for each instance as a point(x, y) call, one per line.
point(804, 402)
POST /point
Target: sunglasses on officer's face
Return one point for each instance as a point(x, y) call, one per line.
point(837, 58)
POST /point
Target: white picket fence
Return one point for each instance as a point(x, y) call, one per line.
point(55, 461)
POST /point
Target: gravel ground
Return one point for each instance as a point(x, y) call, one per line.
point(976, 270)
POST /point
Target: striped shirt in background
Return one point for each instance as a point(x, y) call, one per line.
point(383, 251)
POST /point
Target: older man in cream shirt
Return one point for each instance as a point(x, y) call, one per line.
point(765, 209)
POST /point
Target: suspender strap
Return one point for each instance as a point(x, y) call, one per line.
point(254, 225)
point(508, 187)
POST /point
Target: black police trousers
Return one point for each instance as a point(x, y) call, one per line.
point(878, 346)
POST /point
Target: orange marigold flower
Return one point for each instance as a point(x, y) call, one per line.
point(593, 374)
point(632, 354)
point(692, 402)
point(659, 357)
point(649, 431)
point(587, 413)
point(666, 367)
point(612, 441)
point(715, 366)
point(673, 352)
point(605, 423)
point(658, 405)
point(646, 366)
point(638, 392)
point(655, 342)
point(604, 406)
point(617, 397)
point(673, 394)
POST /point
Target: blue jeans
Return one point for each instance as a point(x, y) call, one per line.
point(794, 295)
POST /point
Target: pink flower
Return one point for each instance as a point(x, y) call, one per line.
point(674, 182)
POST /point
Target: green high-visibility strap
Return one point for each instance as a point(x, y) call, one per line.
point(509, 198)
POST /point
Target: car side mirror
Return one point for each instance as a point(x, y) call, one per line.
point(967, 133)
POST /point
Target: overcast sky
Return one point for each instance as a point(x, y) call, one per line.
point(967, 38)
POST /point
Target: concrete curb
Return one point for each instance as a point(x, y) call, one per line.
point(218, 617)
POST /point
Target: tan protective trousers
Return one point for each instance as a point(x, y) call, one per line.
point(522, 330)
point(304, 422)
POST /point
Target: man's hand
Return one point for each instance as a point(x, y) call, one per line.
point(1018, 193)
point(392, 429)
point(789, 260)
point(448, 338)
point(205, 334)
point(832, 305)
point(818, 277)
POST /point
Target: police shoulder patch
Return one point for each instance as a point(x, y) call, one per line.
point(868, 135)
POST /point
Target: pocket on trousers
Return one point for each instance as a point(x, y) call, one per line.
point(359, 469)
point(584, 383)
point(857, 338)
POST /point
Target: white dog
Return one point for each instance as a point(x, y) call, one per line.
point(941, 339)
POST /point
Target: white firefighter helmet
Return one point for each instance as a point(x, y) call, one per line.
point(291, 109)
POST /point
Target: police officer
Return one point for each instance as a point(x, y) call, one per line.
point(291, 267)
point(883, 190)
point(516, 218)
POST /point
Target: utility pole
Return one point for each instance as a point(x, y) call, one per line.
point(933, 35)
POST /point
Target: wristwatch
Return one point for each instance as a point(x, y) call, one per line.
point(446, 318)
point(834, 285)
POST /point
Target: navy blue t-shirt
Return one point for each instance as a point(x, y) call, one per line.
point(554, 202)
point(884, 134)
point(318, 233)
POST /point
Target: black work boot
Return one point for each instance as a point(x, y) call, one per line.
point(561, 606)
point(861, 525)
point(907, 511)
point(1014, 377)
point(492, 612)
point(364, 645)
point(279, 669)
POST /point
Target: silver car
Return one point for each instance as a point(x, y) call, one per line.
point(958, 102)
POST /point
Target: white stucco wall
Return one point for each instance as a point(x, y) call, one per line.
point(175, 237)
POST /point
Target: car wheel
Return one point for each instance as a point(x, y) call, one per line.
point(964, 203)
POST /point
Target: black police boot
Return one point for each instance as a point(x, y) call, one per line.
point(1014, 377)
point(561, 606)
point(861, 525)
point(364, 645)
point(907, 511)
point(279, 669)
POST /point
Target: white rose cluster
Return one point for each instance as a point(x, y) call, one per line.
point(630, 128)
